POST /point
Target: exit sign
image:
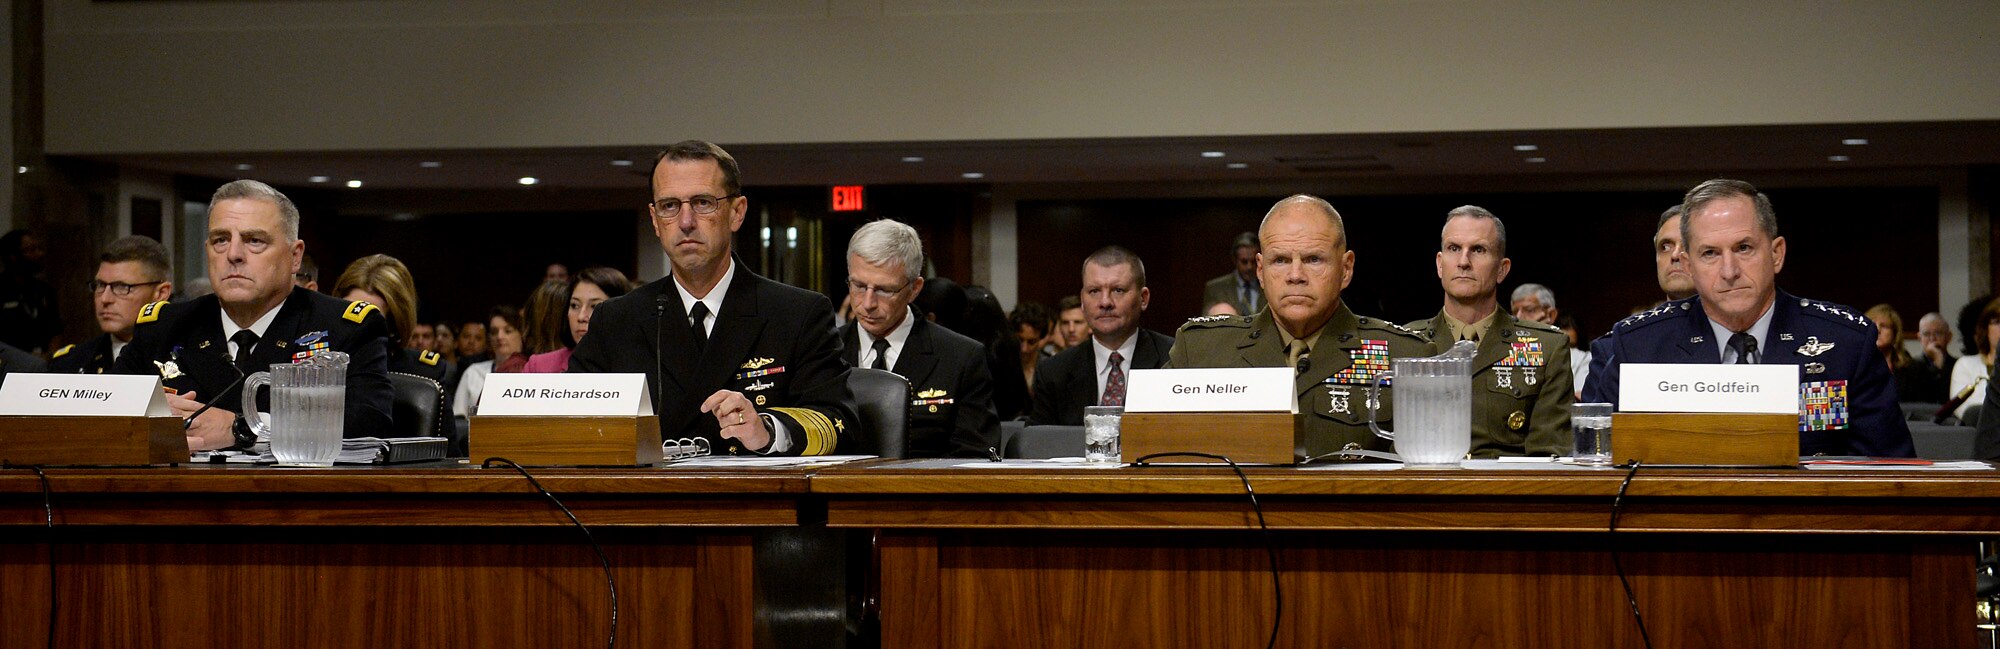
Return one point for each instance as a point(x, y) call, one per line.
point(847, 198)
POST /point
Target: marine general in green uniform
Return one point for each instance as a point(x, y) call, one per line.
point(1303, 267)
point(1521, 384)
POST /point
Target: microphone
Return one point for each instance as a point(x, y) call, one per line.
point(1305, 363)
point(215, 398)
point(659, 354)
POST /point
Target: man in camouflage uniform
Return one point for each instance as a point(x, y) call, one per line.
point(1520, 373)
point(1303, 267)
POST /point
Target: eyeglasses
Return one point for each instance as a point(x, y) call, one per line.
point(703, 204)
point(119, 289)
point(881, 292)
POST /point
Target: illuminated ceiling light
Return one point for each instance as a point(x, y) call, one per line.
point(621, 162)
point(354, 184)
point(913, 158)
point(430, 164)
point(1238, 165)
point(318, 179)
point(1213, 154)
point(1855, 141)
point(1526, 147)
point(243, 166)
point(1836, 158)
point(20, 170)
point(1535, 160)
point(529, 180)
point(972, 175)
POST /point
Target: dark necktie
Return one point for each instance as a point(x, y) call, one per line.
point(881, 355)
point(1250, 294)
point(245, 340)
point(1114, 384)
point(696, 317)
point(1745, 347)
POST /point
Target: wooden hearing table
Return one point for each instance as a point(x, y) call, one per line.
point(1171, 557)
point(445, 556)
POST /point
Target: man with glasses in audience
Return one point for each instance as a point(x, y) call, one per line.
point(951, 387)
point(132, 273)
point(748, 364)
point(1114, 295)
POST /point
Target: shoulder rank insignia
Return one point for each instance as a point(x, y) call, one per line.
point(64, 351)
point(1369, 360)
point(1209, 318)
point(1813, 347)
point(1834, 310)
point(428, 357)
point(358, 310)
point(755, 363)
point(151, 312)
point(1663, 308)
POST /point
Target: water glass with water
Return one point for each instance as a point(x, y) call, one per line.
point(1591, 423)
point(1100, 433)
point(308, 408)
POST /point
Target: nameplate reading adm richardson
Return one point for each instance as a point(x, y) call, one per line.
point(1652, 387)
point(603, 395)
point(1243, 389)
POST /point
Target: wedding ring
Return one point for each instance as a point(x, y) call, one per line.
point(739, 417)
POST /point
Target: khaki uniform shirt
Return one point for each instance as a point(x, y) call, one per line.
point(1333, 385)
point(1521, 386)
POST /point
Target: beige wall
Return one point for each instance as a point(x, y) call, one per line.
point(400, 74)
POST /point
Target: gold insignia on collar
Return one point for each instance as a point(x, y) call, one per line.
point(932, 393)
point(203, 345)
point(755, 363)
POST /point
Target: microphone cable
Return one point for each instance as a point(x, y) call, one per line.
point(610, 641)
point(1611, 538)
point(1270, 545)
point(49, 518)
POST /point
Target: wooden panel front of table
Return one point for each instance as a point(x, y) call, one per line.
point(1172, 557)
point(384, 557)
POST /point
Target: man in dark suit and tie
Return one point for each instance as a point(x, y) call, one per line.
point(1240, 289)
point(1738, 315)
point(1114, 295)
point(951, 387)
point(748, 364)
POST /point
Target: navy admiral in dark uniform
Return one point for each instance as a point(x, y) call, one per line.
point(1114, 295)
point(750, 364)
point(132, 273)
point(1738, 315)
point(256, 318)
point(951, 386)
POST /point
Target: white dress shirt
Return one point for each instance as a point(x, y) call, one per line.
point(1760, 331)
point(897, 337)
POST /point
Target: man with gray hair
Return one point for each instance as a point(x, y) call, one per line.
point(1521, 371)
point(1929, 379)
point(951, 386)
point(1534, 302)
point(1738, 315)
point(256, 318)
point(132, 273)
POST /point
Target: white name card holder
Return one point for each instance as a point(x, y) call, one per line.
point(566, 420)
point(1710, 415)
point(1248, 415)
point(88, 419)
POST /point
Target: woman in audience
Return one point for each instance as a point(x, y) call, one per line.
point(1969, 374)
point(385, 282)
point(589, 288)
point(545, 318)
point(1030, 323)
point(445, 341)
point(503, 327)
point(1889, 343)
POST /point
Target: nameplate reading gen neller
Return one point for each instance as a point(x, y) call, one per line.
point(1238, 389)
point(1656, 387)
point(86, 395)
point(614, 395)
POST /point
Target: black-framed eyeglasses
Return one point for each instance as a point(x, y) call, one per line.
point(703, 204)
point(881, 292)
point(119, 289)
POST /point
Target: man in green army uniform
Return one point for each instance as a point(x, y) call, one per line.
point(1303, 267)
point(1521, 387)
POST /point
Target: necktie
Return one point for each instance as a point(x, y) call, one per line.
point(245, 340)
point(1250, 295)
point(1294, 352)
point(696, 317)
point(1745, 348)
point(881, 355)
point(1114, 384)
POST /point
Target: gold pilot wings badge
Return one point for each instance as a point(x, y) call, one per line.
point(932, 393)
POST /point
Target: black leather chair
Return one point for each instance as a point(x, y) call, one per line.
point(1044, 442)
point(418, 409)
point(883, 399)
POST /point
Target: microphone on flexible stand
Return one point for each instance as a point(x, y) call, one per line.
point(215, 398)
point(659, 354)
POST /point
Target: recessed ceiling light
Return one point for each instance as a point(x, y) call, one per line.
point(1855, 141)
point(430, 164)
point(1836, 158)
point(1213, 154)
point(1238, 165)
point(529, 180)
point(20, 170)
point(1526, 147)
point(1535, 160)
point(318, 179)
point(973, 175)
point(913, 158)
point(243, 166)
point(621, 162)
point(354, 184)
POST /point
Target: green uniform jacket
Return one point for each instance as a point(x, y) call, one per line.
point(1521, 386)
point(1333, 386)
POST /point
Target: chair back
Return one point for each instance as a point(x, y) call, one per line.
point(1044, 442)
point(882, 398)
point(418, 406)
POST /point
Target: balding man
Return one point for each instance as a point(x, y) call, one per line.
point(1304, 265)
point(1670, 269)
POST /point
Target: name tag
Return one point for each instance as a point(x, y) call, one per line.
point(616, 395)
point(88, 395)
point(1242, 389)
point(1650, 387)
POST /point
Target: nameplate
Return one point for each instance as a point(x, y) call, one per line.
point(85, 395)
point(617, 395)
point(1238, 389)
point(1749, 388)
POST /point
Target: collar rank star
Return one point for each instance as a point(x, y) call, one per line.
point(932, 398)
point(1814, 347)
